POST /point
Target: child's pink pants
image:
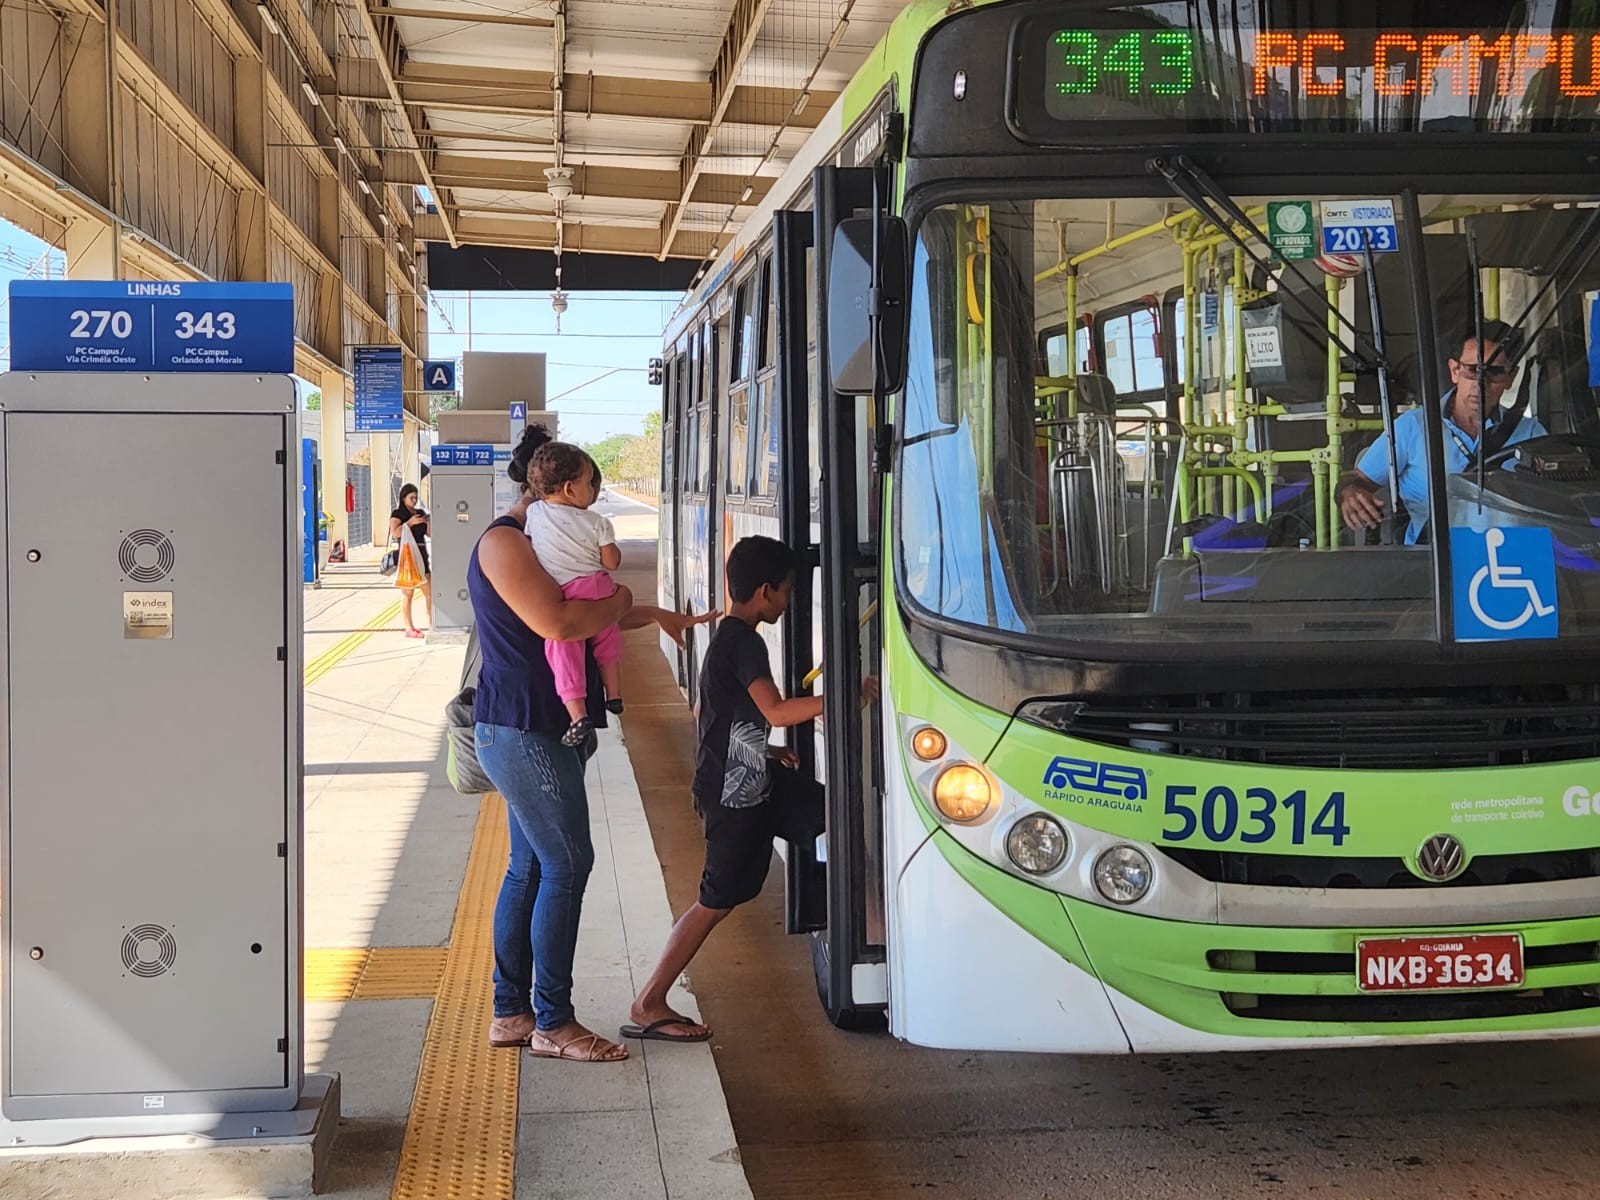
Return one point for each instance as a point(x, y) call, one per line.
point(566, 658)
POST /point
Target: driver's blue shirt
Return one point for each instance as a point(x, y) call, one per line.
point(1410, 458)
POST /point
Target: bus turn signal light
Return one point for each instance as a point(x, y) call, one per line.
point(962, 793)
point(928, 743)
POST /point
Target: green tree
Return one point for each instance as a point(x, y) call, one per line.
point(609, 452)
point(443, 402)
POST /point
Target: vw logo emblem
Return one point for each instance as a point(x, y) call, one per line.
point(1441, 858)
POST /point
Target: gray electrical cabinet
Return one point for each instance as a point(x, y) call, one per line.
point(150, 648)
point(469, 489)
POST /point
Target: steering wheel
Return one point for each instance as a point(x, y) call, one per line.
point(1588, 443)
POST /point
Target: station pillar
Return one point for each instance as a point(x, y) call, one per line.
point(381, 500)
point(335, 469)
point(410, 462)
point(92, 249)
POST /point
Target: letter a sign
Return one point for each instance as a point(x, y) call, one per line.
point(438, 375)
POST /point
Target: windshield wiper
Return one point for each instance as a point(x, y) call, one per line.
point(1385, 400)
point(1192, 184)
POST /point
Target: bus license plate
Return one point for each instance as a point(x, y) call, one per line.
point(1439, 962)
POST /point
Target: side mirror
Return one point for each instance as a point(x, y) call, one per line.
point(857, 365)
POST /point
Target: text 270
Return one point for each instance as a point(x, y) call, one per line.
point(1257, 816)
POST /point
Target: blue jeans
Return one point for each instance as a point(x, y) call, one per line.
point(536, 918)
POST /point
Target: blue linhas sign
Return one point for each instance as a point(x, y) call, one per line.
point(480, 455)
point(70, 326)
point(380, 389)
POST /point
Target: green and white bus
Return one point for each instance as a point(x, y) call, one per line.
point(1060, 350)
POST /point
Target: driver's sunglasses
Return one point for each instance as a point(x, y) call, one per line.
point(1479, 371)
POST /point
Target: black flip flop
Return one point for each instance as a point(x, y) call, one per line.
point(650, 1032)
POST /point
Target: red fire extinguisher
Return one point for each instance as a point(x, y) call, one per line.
point(349, 496)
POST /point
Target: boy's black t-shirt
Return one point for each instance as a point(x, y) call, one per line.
point(730, 765)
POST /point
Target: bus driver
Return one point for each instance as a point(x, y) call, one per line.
point(1362, 492)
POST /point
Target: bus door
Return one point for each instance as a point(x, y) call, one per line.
point(699, 526)
point(848, 952)
point(668, 587)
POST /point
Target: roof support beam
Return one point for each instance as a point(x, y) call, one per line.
point(744, 27)
point(540, 234)
point(590, 181)
point(531, 94)
point(407, 13)
point(391, 62)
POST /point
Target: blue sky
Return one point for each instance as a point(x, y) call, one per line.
point(596, 363)
point(20, 258)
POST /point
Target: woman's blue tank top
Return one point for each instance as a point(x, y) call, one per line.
point(515, 685)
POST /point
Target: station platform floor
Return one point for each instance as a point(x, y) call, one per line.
point(401, 877)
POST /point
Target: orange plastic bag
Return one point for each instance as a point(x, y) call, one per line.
point(409, 574)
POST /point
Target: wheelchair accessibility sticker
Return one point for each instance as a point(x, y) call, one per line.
point(1505, 584)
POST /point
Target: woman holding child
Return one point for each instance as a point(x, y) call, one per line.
point(524, 735)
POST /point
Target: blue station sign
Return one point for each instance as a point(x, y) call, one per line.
point(159, 327)
point(380, 389)
point(439, 375)
point(478, 455)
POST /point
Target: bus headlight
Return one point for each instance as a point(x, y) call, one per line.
point(929, 744)
point(1037, 844)
point(962, 793)
point(1122, 875)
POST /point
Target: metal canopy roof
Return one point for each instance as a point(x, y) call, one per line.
point(668, 119)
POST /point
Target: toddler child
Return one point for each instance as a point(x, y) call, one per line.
point(579, 550)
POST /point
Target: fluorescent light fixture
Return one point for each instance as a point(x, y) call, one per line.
point(800, 102)
point(311, 93)
point(270, 21)
point(338, 144)
point(749, 190)
point(384, 219)
point(362, 184)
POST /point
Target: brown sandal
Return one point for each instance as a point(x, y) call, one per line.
point(586, 1047)
point(505, 1032)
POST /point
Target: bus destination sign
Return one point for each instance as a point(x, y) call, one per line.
point(1523, 79)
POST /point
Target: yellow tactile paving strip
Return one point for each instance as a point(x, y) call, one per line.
point(461, 1141)
point(342, 649)
point(381, 973)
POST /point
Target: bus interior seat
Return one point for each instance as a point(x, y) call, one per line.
point(1096, 394)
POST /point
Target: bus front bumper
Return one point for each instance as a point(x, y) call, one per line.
point(980, 959)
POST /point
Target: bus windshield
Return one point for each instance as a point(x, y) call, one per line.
point(1121, 426)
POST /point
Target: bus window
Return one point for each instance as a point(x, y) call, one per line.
point(669, 423)
point(768, 431)
point(1055, 350)
point(1132, 340)
point(744, 330)
point(688, 409)
point(738, 437)
point(708, 390)
point(769, 319)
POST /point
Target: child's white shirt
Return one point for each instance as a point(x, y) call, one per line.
point(568, 540)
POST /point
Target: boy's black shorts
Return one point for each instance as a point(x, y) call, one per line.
point(739, 840)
